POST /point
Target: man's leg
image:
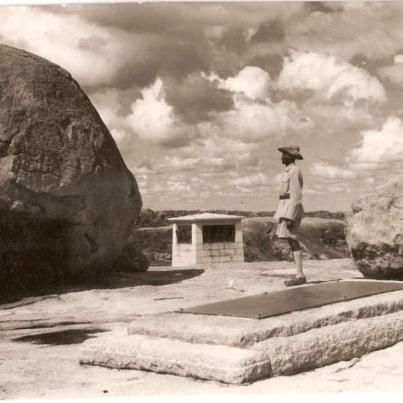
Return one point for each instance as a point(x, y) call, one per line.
point(297, 253)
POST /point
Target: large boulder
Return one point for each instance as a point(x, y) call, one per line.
point(375, 231)
point(67, 199)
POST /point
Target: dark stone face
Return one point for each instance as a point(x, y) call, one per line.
point(65, 192)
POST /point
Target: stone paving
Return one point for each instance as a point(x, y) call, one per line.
point(31, 369)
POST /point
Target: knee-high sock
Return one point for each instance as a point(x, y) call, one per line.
point(298, 263)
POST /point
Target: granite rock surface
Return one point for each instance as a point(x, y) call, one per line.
point(67, 199)
point(375, 231)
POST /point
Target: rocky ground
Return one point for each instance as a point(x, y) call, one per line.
point(40, 336)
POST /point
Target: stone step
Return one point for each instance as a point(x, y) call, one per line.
point(275, 356)
point(205, 361)
point(327, 345)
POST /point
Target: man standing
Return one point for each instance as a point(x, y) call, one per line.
point(290, 211)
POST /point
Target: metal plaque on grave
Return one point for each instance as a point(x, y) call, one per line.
point(293, 299)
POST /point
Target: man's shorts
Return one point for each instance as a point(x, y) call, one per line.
point(283, 232)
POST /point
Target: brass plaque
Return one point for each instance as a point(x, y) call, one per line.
point(297, 298)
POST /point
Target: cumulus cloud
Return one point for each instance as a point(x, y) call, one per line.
point(178, 186)
point(217, 145)
point(338, 187)
point(145, 167)
point(251, 81)
point(327, 171)
point(329, 79)
point(338, 118)
point(257, 121)
point(149, 17)
point(205, 164)
point(153, 119)
point(219, 163)
point(255, 117)
point(393, 73)
point(181, 163)
point(143, 184)
point(108, 105)
point(256, 179)
point(225, 87)
point(220, 155)
point(248, 160)
point(370, 29)
point(98, 51)
point(383, 145)
point(92, 54)
point(195, 98)
point(271, 30)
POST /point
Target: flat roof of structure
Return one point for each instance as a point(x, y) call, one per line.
point(205, 217)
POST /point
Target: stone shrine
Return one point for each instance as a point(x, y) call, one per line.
point(206, 238)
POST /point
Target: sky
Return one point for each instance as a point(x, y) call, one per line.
point(199, 96)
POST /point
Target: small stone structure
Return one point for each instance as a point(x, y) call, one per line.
point(206, 238)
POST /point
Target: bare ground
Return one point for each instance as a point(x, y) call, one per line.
point(40, 336)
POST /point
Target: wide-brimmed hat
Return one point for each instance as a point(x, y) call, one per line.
point(292, 150)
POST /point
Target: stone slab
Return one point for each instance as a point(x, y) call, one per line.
point(274, 356)
point(330, 344)
point(234, 331)
point(212, 362)
point(295, 298)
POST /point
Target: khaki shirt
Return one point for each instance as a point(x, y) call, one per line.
point(292, 184)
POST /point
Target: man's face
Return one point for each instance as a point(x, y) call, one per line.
point(286, 159)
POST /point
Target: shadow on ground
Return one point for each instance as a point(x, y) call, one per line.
point(113, 281)
point(155, 277)
point(61, 337)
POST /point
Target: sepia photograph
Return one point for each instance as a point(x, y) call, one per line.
point(201, 199)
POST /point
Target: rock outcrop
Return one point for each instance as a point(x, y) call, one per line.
point(375, 231)
point(67, 199)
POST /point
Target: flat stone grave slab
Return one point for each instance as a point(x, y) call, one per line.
point(236, 349)
point(294, 299)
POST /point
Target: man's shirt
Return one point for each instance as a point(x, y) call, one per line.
point(291, 184)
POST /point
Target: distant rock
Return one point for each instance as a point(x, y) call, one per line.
point(321, 239)
point(150, 218)
point(375, 231)
point(67, 199)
